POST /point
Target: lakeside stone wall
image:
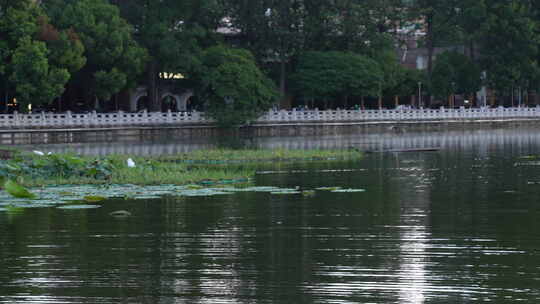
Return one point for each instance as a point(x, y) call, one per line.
point(167, 133)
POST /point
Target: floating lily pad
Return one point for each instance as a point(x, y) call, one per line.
point(17, 190)
point(348, 190)
point(146, 197)
point(237, 190)
point(47, 202)
point(120, 214)
point(308, 193)
point(75, 207)
point(31, 205)
point(227, 181)
point(328, 188)
point(203, 192)
point(94, 198)
point(66, 193)
point(285, 192)
point(193, 187)
point(70, 199)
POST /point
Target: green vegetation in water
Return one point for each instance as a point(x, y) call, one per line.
point(217, 156)
point(77, 197)
point(197, 169)
point(72, 182)
point(348, 190)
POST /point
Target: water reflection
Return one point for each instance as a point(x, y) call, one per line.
point(481, 141)
point(458, 226)
point(413, 276)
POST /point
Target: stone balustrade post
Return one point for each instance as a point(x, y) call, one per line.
point(169, 116)
point(16, 118)
point(69, 116)
point(145, 116)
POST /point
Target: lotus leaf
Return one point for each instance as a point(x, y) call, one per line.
point(17, 190)
point(75, 207)
point(348, 190)
point(285, 192)
point(120, 213)
point(328, 188)
point(193, 187)
point(94, 198)
point(308, 193)
point(31, 205)
point(47, 202)
point(146, 197)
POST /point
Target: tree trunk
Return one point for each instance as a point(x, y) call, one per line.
point(512, 96)
point(6, 97)
point(282, 77)
point(471, 51)
point(431, 50)
point(152, 88)
point(396, 100)
point(430, 43)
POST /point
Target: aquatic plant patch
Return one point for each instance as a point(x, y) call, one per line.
point(223, 156)
point(348, 190)
point(93, 196)
point(328, 188)
point(285, 192)
point(78, 207)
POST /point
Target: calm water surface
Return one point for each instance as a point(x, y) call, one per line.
point(457, 226)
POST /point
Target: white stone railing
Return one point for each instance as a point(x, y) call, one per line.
point(399, 115)
point(121, 119)
point(96, 120)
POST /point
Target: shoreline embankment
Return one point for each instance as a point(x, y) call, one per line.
point(20, 136)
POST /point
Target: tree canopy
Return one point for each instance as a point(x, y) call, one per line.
point(96, 49)
point(234, 88)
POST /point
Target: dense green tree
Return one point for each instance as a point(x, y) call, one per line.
point(114, 59)
point(391, 70)
point(405, 82)
point(174, 33)
point(327, 75)
point(509, 45)
point(37, 82)
point(103, 46)
point(35, 58)
point(455, 73)
point(234, 88)
point(438, 19)
point(273, 31)
point(470, 24)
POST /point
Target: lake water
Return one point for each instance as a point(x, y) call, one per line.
point(457, 226)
